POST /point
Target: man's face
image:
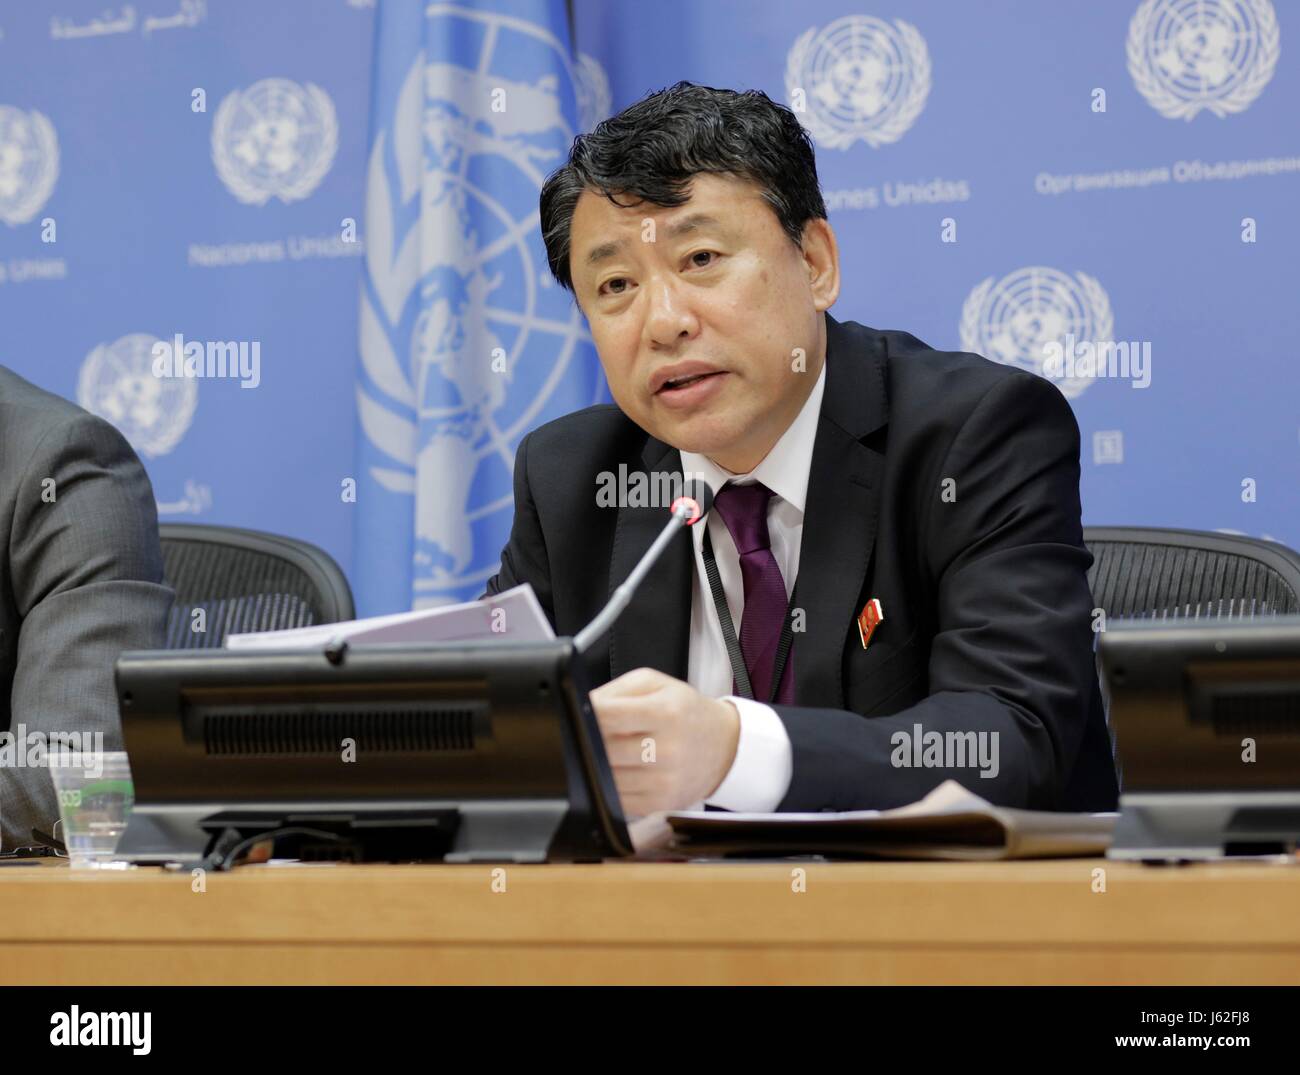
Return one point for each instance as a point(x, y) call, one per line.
point(712, 290)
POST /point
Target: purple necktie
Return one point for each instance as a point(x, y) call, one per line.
point(743, 509)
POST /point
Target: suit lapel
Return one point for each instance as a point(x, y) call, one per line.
point(654, 630)
point(841, 514)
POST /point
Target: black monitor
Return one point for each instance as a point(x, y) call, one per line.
point(1206, 717)
point(456, 752)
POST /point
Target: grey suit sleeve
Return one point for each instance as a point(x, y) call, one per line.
point(87, 580)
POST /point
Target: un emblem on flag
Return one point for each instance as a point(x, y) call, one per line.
point(466, 344)
point(1013, 320)
point(276, 139)
point(29, 164)
point(859, 77)
point(1189, 55)
point(118, 383)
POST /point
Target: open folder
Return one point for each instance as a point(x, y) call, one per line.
point(949, 823)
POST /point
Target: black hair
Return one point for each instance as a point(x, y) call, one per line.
point(653, 148)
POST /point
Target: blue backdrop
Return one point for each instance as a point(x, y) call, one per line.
point(336, 202)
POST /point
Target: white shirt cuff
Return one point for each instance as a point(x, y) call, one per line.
point(760, 774)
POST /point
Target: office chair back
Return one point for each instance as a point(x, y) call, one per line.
point(1157, 574)
point(1144, 573)
point(246, 580)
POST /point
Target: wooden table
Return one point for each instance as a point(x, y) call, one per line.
point(657, 923)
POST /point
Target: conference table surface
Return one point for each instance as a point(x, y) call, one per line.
point(1065, 921)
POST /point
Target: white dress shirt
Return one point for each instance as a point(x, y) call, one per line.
point(760, 775)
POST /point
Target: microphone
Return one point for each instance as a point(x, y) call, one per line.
point(687, 510)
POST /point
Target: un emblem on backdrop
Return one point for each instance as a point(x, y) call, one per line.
point(1189, 55)
point(860, 77)
point(1011, 321)
point(117, 383)
point(29, 164)
point(276, 139)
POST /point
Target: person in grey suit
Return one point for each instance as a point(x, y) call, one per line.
point(82, 580)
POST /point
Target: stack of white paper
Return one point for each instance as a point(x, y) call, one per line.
point(514, 615)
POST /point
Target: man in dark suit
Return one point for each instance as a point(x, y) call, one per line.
point(80, 581)
point(926, 502)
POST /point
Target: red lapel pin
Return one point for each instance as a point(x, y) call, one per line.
point(872, 614)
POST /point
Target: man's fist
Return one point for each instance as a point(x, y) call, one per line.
point(669, 746)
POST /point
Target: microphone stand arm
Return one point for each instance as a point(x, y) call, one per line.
point(623, 594)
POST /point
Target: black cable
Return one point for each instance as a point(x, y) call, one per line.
point(224, 853)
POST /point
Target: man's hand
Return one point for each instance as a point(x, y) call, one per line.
point(669, 746)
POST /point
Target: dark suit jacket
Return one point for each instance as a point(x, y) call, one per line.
point(80, 581)
point(987, 612)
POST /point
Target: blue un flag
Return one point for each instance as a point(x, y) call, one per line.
point(466, 343)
